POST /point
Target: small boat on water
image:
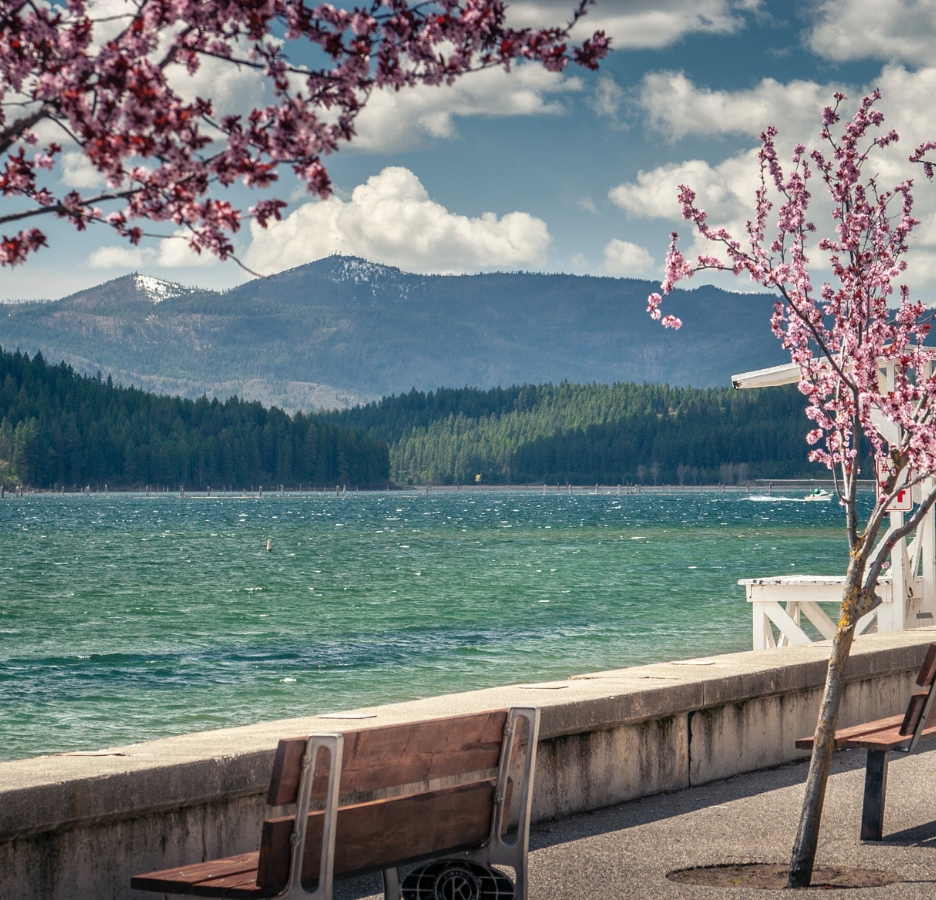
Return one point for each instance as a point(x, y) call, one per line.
point(819, 494)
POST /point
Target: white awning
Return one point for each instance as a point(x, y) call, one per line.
point(775, 375)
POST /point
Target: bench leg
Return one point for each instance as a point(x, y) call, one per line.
point(875, 789)
point(391, 884)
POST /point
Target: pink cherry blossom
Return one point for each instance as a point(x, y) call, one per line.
point(845, 336)
point(163, 157)
point(842, 333)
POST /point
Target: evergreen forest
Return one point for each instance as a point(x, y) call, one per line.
point(62, 429)
point(565, 433)
point(59, 428)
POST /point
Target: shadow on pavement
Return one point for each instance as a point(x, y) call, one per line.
point(919, 836)
point(660, 807)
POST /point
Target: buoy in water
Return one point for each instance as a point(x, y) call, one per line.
point(269, 544)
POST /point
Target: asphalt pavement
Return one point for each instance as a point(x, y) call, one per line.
point(624, 852)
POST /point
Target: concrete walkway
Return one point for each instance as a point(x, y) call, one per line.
point(624, 852)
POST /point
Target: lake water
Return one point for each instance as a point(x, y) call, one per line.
point(125, 618)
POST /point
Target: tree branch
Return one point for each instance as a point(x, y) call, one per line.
point(63, 210)
point(13, 132)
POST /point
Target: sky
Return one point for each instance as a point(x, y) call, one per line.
point(575, 172)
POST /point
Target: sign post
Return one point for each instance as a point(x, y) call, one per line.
point(903, 501)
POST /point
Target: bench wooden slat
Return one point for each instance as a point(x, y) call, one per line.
point(889, 739)
point(845, 734)
point(914, 710)
point(244, 885)
point(391, 755)
point(928, 669)
point(249, 892)
point(182, 879)
point(396, 831)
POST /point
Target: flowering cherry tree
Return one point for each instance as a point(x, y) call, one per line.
point(104, 76)
point(843, 336)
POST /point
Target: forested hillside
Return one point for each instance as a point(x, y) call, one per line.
point(342, 329)
point(583, 434)
point(61, 428)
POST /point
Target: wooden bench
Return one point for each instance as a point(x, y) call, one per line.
point(464, 823)
point(899, 734)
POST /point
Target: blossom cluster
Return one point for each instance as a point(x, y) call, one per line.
point(162, 156)
point(847, 334)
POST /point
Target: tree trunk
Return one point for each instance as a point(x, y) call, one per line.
point(807, 836)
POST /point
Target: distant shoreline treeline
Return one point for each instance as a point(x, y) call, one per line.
point(583, 434)
point(61, 428)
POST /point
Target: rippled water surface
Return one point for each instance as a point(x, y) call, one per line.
point(125, 618)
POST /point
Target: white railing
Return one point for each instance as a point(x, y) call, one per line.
point(907, 590)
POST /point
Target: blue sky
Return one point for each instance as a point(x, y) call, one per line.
point(574, 172)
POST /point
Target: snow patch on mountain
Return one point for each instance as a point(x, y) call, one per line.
point(158, 290)
point(360, 271)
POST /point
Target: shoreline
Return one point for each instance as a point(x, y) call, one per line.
point(779, 487)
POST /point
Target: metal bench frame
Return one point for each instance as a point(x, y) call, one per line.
point(884, 736)
point(875, 786)
point(496, 851)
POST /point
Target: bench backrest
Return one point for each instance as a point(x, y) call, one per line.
point(392, 755)
point(378, 834)
point(921, 708)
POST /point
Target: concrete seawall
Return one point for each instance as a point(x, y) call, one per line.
point(76, 827)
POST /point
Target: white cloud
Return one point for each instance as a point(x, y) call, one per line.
point(175, 252)
point(401, 120)
point(119, 257)
point(110, 18)
point(677, 108)
point(392, 121)
point(608, 99)
point(907, 104)
point(586, 204)
point(894, 30)
point(232, 89)
point(392, 220)
point(724, 191)
point(78, 172)
point(172, 253)
point(627, 259)
point(637, 24)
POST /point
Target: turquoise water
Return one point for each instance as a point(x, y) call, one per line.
point(126, 618)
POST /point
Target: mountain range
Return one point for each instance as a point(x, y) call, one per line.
point(343, 330)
